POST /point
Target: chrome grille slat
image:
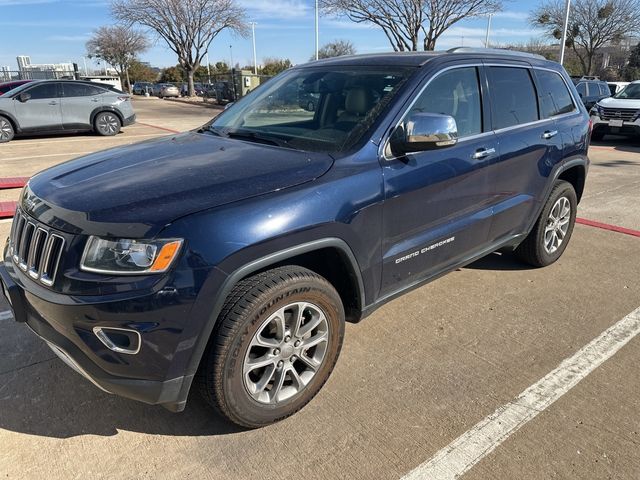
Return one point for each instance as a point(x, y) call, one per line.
point(626, 114)
point(35, 249)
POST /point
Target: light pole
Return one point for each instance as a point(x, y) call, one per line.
point(255, 58)
point(317, 36)
point(233, 73)
point(486, 38)
point(564, 30)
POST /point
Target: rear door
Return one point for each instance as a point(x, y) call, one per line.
point(78, 101)
point(529, 147)
point(437, 203)
point(42, 110)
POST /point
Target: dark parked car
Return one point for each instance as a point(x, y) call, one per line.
point(222, 91)
point(140, 88)
point(199, 89)
point(234, 254)
point(49, 106)
point(591, 90)
point(6, 86)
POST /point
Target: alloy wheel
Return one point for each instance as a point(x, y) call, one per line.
point(285, 353)
point(557, 224)
point(6, 130)
point(108, 124)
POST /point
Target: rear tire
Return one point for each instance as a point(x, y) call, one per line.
point(107, 124)
point(261, 364)
point(552, 231)
point(6, 130)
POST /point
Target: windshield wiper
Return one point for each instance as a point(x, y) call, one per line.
point(256, 137)
point(215, 130)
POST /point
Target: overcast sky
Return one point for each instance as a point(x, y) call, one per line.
point(52, 31)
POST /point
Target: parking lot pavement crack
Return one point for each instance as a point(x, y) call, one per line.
point(13, 370)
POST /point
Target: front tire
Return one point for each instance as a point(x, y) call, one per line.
point(6, 130)
point(107, 124)
point(277, 340)
point(552, 231)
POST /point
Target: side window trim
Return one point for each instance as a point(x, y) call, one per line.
point(529, 69)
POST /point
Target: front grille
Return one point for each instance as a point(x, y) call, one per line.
point(35, 249)
point(626, 114)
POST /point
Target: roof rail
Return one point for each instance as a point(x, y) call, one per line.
point(495, 51)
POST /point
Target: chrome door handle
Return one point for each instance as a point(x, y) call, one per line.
point(549, 134)
point(94, 99)
point(483, 153)
point(53, 103)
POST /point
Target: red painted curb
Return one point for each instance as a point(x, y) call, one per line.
point(13, 182)
point(7, 209)
point(606, 226)
point(159, 128)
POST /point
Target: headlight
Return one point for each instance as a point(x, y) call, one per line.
point(129, 257)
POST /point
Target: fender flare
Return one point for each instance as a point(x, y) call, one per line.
point(580, 161)
point(260, 264)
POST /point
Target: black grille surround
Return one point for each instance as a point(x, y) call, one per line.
point(35, 248)
point(626, 114)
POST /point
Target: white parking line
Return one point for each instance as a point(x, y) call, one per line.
point(6, 315)
point(472, 446)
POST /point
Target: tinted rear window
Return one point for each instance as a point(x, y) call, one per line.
point(513, 97)
point(80, 90)
point(555, 98)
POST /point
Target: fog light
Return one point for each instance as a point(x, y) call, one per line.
point(120, 340)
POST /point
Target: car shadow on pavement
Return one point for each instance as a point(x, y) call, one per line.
point(49, 399)
point(499, 261)
point(619, 143)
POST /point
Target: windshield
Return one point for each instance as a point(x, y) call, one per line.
point(318, 109)
point(630, 92)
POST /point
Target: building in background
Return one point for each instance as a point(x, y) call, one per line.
point(5, 73)
point(43, 71)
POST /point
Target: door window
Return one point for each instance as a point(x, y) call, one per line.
point(455, 93)
point(582, 89)
point(513, 97)
point(555, 98)
point(44, 90)
point(80, 90)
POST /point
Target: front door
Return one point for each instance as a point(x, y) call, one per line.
point(437, 208)
point(42, 110)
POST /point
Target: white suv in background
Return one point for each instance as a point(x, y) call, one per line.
point(619, 115)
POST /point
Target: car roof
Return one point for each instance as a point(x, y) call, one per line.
point(418, 59)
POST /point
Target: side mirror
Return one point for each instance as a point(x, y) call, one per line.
point(23, 97)
point(424, 131)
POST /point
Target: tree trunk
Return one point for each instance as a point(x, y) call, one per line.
point(192, 90)
point(126, 72)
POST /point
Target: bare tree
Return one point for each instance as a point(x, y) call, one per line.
point(117, 45)
point(405, 21)
point(592, 25)
point(337, 48)
point(188, 26)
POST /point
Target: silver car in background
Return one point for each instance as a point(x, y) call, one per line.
point(169, 90)
point(50, 106)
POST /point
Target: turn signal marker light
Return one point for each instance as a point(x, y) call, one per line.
point(168, 252)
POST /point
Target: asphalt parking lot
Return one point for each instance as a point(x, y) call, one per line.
point(414, 380)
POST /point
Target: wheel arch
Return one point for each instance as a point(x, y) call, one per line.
point(576, 176)
point(12, 119)
point(304, 255)
point(104, 108)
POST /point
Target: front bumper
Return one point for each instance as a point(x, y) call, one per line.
point(62, 328)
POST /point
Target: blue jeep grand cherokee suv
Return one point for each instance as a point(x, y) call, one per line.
point(232, 255)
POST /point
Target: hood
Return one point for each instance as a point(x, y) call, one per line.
point(136, 190)
point(611, 102)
